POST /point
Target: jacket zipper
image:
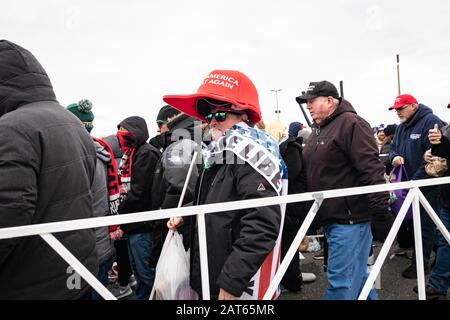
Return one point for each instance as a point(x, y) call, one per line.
point(200, 188)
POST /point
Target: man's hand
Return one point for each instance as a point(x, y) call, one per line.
point(223, 295)
point(397, 161)
point(174, 222)
point(382, 221)
point(427, 156)
point(435, 135)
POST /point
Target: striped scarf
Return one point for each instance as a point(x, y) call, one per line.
point(126, 142)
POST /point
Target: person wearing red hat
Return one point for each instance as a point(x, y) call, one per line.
point(408, 148)
point(242, 162)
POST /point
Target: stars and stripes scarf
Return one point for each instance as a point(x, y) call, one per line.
point(260, 150)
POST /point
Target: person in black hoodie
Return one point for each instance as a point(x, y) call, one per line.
point(42, 148)
point(342, 153)
point(136, 172)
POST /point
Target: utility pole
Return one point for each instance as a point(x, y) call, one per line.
point(276, 97)
point(398, 73)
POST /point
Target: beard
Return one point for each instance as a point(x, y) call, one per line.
point(215, 133)
point(402, 119)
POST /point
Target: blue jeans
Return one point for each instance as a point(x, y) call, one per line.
point(440, 276)
point(348, 251)
point(139, 250)
point(429, 234)
point(102, 276)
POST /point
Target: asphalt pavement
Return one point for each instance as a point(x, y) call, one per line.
point(393, 285)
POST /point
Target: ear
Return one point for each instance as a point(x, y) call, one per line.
point(244, 117)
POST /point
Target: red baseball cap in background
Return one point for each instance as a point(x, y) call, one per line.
point(402, 100)
point(224, 85)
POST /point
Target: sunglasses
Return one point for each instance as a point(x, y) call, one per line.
point(219, 116)
point(206, 106)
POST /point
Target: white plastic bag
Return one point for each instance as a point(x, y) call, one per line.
point(172, 271)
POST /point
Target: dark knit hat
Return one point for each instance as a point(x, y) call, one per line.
point(82, 110)
point(166, 113)
point(294, 128)
point(390, 129)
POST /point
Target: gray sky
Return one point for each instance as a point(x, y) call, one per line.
point(125, 55)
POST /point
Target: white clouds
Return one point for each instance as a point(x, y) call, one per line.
point(125, 55)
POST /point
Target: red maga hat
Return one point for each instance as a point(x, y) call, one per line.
point(402, 100)
point(223, 85)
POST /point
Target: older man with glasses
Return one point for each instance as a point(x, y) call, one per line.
point(240, 163)
point(408, 148)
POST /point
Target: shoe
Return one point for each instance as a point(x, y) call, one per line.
point(308, 277)
point(319, 255)
point(132, 281)
point(431, 293)
point(400, 252)
point(411, 273)
point(121, 292)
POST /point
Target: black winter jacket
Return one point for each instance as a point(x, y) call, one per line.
point(145, 158)
point(170, 176)
point(292, 152)
point(47, 165)
point(341, 153)
point(237, 242)
point(443, 150)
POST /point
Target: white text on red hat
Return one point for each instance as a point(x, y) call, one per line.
point(222, 80)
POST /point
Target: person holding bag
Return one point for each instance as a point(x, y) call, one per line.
point(408, 147)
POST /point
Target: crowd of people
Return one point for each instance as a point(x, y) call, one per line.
point(52, 169)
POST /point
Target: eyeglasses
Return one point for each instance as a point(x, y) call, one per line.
point(402, 108)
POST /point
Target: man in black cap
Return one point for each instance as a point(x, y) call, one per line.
point(164, 115)
point(341, 153)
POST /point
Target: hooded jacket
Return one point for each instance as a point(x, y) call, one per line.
point(47, 165)
point(341, 153)
point(411, 141)
point(145, 158)
point(104, 245)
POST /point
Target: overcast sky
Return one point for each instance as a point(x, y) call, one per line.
point(125, 55)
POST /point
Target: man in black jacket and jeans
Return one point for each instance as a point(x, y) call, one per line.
point(341, 153)
point(136, 172)
point(47, 165)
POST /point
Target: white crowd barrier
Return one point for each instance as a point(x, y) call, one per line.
point(414, 197)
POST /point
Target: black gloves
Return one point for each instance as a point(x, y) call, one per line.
point(382, 221)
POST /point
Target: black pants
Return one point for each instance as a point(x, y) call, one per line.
point(123, 262)
point(292, 279)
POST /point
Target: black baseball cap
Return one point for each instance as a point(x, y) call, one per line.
point(165, 113)
point(318, 89)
